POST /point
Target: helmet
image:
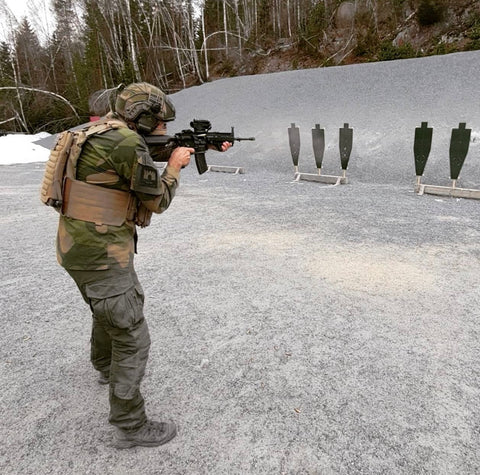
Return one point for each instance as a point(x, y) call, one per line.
point(145, 105)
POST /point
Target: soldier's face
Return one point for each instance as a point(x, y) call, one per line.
point(161, 129)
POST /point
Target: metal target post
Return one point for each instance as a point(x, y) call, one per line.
point(318, 143)
point(459, 144)
point(421, 149)
point(294, 141)
point(345, 143)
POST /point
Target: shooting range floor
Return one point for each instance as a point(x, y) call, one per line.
point(296, 328)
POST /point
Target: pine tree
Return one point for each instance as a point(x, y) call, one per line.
point(28, 56)
point(6, 72)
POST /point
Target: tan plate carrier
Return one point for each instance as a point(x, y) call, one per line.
point(84, 201)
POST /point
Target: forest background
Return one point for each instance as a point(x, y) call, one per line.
point(50, 80)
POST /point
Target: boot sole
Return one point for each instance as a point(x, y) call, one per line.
point(128, 444)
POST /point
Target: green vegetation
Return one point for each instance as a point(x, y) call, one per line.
point(430, 12)
point(388, 51)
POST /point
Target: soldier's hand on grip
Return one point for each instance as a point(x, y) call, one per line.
point(221, 148)
point(180, 157)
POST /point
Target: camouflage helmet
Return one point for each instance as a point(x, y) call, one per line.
point(145, 105)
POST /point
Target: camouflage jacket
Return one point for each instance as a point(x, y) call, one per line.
point(110, 160)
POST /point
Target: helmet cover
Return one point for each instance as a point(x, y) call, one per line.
point(145, 105)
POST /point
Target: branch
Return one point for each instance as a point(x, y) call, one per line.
point(61, 98)
point(8, 120)
point(341, 50)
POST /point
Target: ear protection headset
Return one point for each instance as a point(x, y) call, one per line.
point(145, 114)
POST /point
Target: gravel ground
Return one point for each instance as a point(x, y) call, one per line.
point(296, 327)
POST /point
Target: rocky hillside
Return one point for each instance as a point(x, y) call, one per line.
point(366, 31)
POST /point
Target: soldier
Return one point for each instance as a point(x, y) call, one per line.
point(114, 187)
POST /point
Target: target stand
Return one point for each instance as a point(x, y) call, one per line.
point(459, 144)
point(225, 169)
point(318, 142)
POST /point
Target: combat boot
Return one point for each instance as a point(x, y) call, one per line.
point(104, 377)
point(151, 434)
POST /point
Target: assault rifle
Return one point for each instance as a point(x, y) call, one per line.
point(199, 139)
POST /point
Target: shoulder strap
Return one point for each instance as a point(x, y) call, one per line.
point(81, 136)
point(101, 126)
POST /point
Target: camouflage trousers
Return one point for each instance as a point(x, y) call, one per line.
point(120, 339)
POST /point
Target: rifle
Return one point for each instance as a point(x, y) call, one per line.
point(199, 139)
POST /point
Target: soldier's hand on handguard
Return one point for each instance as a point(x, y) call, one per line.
point(180, 157)
point(225, 147)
